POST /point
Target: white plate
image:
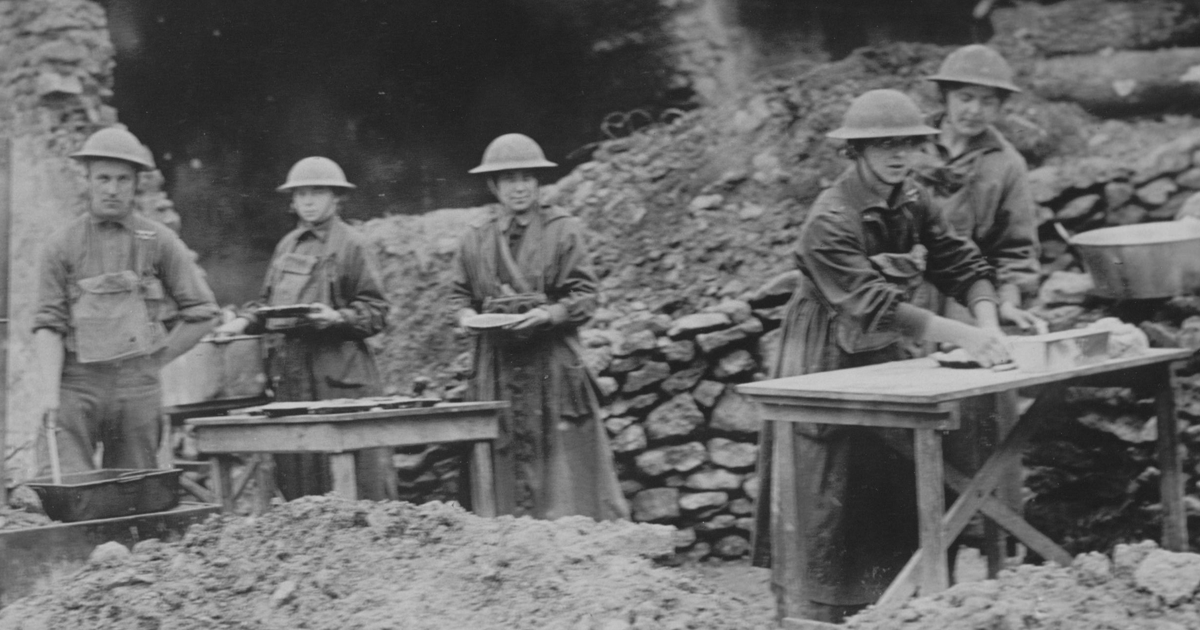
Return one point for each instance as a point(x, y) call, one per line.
point(487, 321)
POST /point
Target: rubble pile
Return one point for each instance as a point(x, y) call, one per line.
point(321, 562)
point(1140, 587)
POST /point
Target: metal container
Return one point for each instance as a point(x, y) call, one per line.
point(217, 368)
point(1059, 351)
point(1148, 260)
point(107, 493)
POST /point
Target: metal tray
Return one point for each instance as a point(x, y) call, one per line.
point(107, 493)
point(284, 311)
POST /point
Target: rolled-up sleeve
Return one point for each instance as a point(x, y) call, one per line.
point(53, 307)
point(832, 255)
point(184, 281)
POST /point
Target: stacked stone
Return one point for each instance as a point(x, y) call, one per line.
point(685, 442)
point(1095, 192)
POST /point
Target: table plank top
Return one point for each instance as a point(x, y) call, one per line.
point(415, 413)
point(923, 381)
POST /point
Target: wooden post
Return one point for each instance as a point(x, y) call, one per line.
point(1174, 524)
point(931, 506)
point(345, 479)
point(5, 225)
point(483, 489)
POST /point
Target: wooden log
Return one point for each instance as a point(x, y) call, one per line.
point(1122, 83)
point(1086, 26)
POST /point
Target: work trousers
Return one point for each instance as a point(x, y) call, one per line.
point(117, 403)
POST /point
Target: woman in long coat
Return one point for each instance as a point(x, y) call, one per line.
point(553, 457)
point(870, 240)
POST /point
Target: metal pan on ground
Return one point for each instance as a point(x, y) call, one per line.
point(490, 321)
point(287, 310)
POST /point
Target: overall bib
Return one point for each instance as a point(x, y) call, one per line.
point(110, 390)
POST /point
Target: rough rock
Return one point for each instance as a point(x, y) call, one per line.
point(684, 538)
point(607, 384)
point(735, 363)
point(776, 291)
point(715, 479)
point(714, 341)
point(630, 439)
point(737, 310)
point(680, 351)
point(684, 380)
point(677, 417)
point(700, 500)
point(623, 365)
point(1094, 568)
point(1078, 207)
point(1117, 194)
point(717, 523)
point(736, 413)
point(1172, 576)
point(750, 486)
point(655, 504)
point(648, 375)
point(109, 554)
point(706, 392)
point(741, 506)
point(691, 325)
point(680, 458)
point(731, 454)
point(638, 341)
point(731, 546)
point(1157, 192)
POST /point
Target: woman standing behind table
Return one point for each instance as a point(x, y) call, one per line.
point(868, 243)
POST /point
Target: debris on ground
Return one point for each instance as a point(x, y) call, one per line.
point(1141, 587)
point(329, 563)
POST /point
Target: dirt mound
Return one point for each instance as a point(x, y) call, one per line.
point(321, 562)
point(1140, 588)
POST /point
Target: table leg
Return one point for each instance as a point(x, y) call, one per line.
point(483, 488)
point(222, 475)
point(1174, 536)
point(931, 505)
point(345, 480)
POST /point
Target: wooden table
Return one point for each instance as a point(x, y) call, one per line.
point(340, 435)
point(924, 397)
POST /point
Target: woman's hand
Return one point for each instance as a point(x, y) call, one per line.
point(986, 345)
point(534, 319)
point(1022, 318)
point(233, 327)
point(323, 316)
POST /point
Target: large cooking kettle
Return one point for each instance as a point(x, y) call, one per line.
point(1147, 260)
point(218, 368)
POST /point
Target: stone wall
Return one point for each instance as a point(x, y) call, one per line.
point(55, 72)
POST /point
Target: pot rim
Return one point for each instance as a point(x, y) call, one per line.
point(1139, 234)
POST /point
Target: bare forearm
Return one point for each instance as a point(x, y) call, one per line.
point(184, 336)
point(50, 352)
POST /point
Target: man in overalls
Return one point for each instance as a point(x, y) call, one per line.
point(521, 257)
point(322, 354)
point(98, 328)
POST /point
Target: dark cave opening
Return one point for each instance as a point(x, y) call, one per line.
point(404, 95)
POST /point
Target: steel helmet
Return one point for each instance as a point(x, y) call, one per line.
point(510, 152)
point(977, 65)
point(315, 171)
point(115, 143)
point(882, 114)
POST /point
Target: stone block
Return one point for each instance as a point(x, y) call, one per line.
point(750, 487)
point(693, 501)
point(616, 424)
point(684, 380)
point(639, 341)
point(1157, 192)
point(656, 504)
point(630, 487)
point(731, 546)
point(706, 202)
point(622, 365)
point(643, 321)
point(1165, 159)
point(1173, 576)
point(731, 454)
point(698, 552)
point(717, 523)
point(692, 325)
point(684, 538)
point(607, 385)
point(1189, 178)
point(718, 340)
point(649, 375)
point(598, 359)
point(706, 392)
point(622, 406)
point(631, 438)
point(1126, 215)
point(737, 310)
point(678, 416)
point(736, 413)
point(734, 364)
point(1078, 207)
point(1117, 194)
point(714, 479)
point(680, 351)
point(680, 458)
point(746, 524)
point(742, 506)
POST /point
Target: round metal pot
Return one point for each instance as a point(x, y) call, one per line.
point(1148, 260)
